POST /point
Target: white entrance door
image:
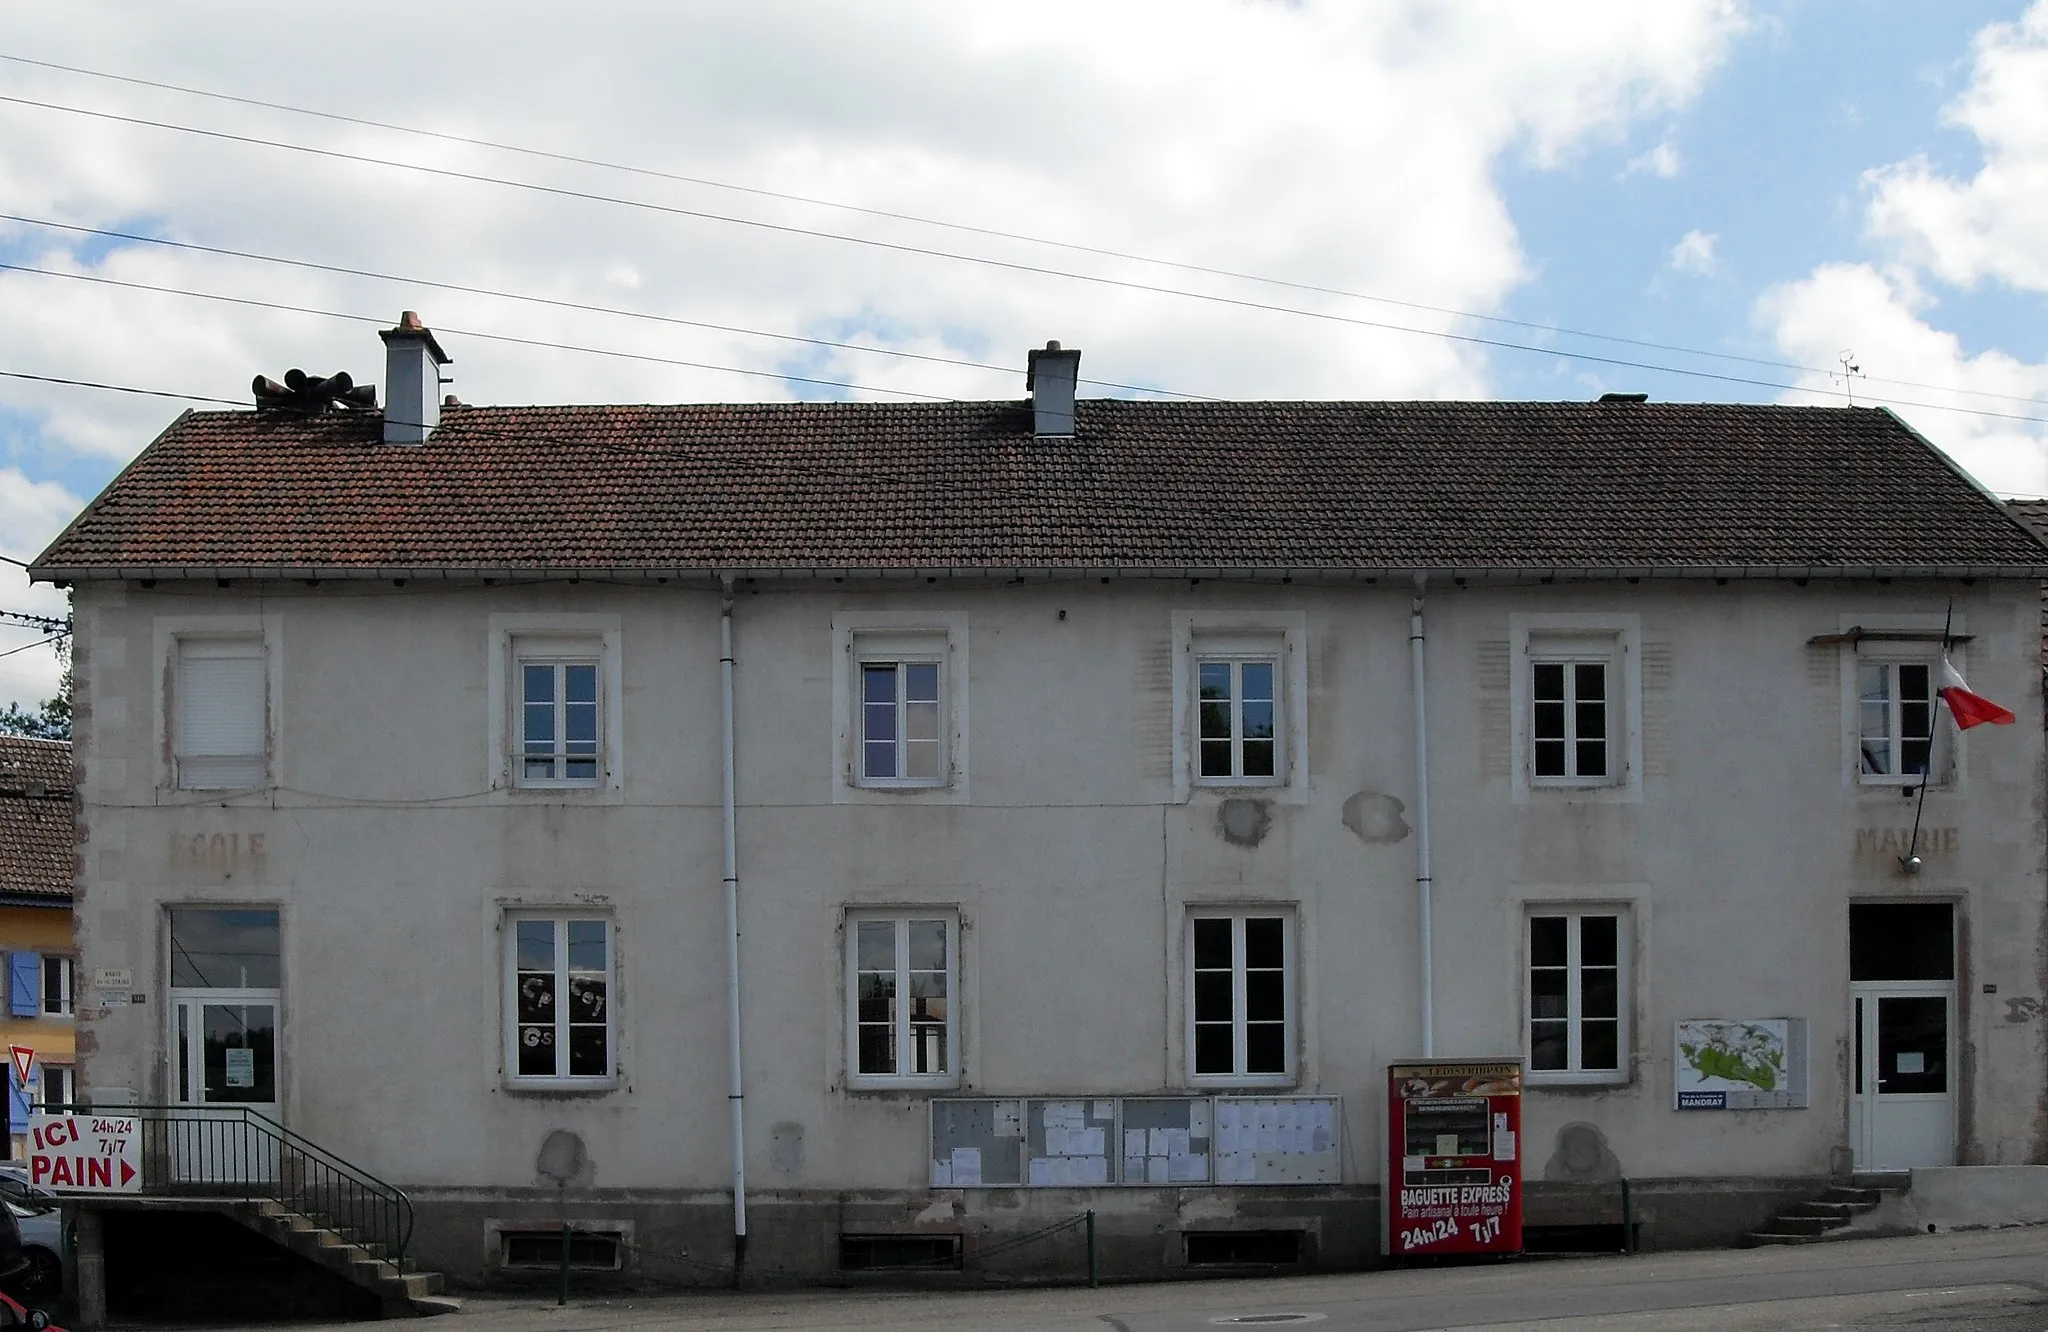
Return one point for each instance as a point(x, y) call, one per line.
point(1902, 1103)
point(224, 1060)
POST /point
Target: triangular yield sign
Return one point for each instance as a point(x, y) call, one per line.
point(24, 1059)
point(127, 1172)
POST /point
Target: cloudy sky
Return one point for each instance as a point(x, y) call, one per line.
point(1701, 199)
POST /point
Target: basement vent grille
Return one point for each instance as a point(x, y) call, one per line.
point(1244, 1248)
point(898, 1253)
point(541, 1250)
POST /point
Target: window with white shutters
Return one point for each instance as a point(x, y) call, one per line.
point(222, 713)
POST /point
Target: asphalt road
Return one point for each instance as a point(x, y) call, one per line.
point(1984, 1281)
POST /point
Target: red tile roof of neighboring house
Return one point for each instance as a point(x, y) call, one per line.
point(1518, 487)
point(37, 843)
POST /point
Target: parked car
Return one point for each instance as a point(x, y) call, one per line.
point(42, 1243)
point(15, 1186)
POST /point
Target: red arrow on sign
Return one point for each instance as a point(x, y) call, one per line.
point(127, 1172)
point(24, 1059)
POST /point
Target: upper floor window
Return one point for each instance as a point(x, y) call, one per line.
point(1241, 995)
point(902, 733)
point(1577, 997)
point(221, 721)
point(554, 687)
point(1238, 723)
point(558, 996)
point(1577, 697)
point(1572, 712)
point(57, 986)
point(1240, 694)
point(902, 973)
point(560, 737)
point(1895, 712)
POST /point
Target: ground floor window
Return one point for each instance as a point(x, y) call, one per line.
point(558, 993)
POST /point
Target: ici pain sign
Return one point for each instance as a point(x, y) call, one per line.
point(85, 1153)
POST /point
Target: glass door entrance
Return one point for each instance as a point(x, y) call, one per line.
point(223, 1044)
point(1903, 998)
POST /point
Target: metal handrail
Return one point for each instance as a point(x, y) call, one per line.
point(232, 1151)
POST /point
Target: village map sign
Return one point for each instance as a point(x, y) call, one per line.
point(1740, 1064)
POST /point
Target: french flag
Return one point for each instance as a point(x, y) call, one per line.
point(1967, 708)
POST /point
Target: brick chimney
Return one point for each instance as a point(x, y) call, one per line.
point(1050, 375)
point(412, 381)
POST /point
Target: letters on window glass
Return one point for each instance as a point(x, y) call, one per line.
point(561, 998)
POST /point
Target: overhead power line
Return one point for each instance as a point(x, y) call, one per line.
point(969, 229)
point(556, 303)
point(286, 307)
point(1466, 339)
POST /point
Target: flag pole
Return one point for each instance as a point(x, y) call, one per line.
point(1910, 862)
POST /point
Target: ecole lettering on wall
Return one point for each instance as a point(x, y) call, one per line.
point(208, 854)
point(1892, 843)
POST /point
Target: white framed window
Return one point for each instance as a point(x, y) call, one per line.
point(560, 733)
point(1577, 999)
point(1572, 712)
point(899, 707)
point(560, 1020)
point(55, 1086)
point(57, 995)
point(554, 686)
point(1899, 738)
point(902, 718)
point(1240, 690)
point(221, 716)
point(1240, 996)
point(1237, 723)
point(902, 1011)
point(1578, 703)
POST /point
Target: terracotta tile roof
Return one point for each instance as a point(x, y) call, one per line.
point(36, 837)
point(1268, 485)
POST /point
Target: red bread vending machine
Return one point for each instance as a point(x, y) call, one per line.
point(1454, 1130)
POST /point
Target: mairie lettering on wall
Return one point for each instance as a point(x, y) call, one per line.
point(1893, 842)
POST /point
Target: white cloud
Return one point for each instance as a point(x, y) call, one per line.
point(1939, 229)
point(1697, 253)
point(1989, 225)
point(31, 513)
point(1662, 162)
point(1354, 147)
point(1885, 318)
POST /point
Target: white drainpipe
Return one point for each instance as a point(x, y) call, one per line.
point(734, 1094)
point(1422, 883)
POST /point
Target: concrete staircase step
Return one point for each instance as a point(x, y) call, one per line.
point(365, 1265)
point(1835, 1213)
point(1758, 1239)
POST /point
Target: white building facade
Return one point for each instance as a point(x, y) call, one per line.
point(423, 850)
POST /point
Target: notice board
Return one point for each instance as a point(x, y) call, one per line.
point(1161, 1141)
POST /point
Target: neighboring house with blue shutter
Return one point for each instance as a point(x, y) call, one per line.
point(37, 850)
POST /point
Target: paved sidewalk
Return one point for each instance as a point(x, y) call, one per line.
point(1991, 1280)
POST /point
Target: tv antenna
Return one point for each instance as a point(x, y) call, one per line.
point(1851, 372)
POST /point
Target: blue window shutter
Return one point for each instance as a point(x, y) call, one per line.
point(17, 1105)
point(24, 984)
